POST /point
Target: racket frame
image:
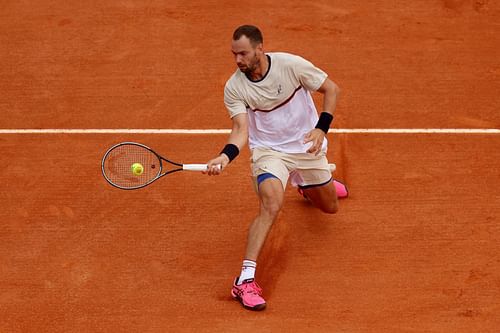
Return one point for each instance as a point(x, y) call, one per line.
point(160, 159)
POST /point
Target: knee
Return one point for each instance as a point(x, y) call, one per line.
point(271, 208)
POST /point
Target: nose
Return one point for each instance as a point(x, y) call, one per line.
point(238, 59)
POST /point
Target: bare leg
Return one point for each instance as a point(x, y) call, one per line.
point(323, 197)
point(271, 196)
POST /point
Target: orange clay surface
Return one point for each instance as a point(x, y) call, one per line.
point(414, 249)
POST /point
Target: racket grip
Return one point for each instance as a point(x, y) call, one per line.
point(195, 167)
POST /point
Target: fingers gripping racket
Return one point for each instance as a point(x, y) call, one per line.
point(131, 165)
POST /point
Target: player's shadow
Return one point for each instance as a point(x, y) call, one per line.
point(271, 263)
point(273, 258)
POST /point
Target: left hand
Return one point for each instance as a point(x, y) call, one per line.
point(316, 136)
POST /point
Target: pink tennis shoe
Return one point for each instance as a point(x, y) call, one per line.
point(249, 294)
point(341, 189)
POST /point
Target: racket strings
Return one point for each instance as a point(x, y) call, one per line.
point(118, 166)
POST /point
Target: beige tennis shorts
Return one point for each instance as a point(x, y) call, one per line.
point(302, 169)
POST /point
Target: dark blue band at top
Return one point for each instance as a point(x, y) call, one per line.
point(264, 176)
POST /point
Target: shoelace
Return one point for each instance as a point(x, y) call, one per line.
point(256, 290)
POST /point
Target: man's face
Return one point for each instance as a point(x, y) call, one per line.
point(246, 56)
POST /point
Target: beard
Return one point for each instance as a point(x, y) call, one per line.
point(251, 67)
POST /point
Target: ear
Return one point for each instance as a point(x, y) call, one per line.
point(259, 49)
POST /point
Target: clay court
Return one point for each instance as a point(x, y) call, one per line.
point(415, 248)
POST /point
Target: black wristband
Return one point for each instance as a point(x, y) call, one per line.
point(231, 151)
point(325, 119)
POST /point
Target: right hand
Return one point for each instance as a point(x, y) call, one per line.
point(216, 165)
point(316, 136)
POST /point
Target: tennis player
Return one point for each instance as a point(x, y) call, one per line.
point(270, 104)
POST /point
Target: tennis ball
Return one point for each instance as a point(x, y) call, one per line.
point(137, 169)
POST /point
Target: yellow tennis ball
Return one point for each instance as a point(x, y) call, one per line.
point(137, 169)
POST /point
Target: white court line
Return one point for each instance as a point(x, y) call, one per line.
point(227, 131)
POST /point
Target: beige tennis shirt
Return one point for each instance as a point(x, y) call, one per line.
point(280, 108)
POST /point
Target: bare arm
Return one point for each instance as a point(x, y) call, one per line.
point(238, 137)
point(239, 132)
point(330, 93)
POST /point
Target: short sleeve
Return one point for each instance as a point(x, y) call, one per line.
point(234, 104)
point(310, 76)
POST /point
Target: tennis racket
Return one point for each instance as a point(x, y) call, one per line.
point(120, 163)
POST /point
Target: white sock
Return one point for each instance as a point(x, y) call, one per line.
point(247, 271)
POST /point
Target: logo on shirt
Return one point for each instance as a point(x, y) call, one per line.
point(280, 89)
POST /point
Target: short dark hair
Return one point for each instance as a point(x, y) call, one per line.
point(251, 32)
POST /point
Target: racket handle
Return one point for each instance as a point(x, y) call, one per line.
point(195, 167)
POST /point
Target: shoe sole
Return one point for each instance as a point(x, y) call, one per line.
point(258, 307)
